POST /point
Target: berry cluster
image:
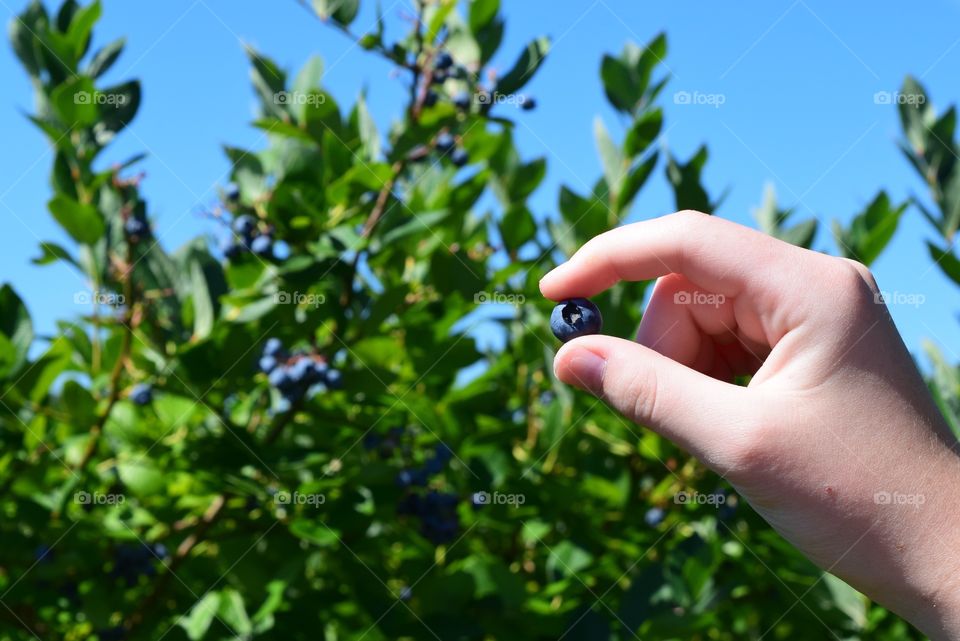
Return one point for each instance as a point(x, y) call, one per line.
point(141, 394)
point(409, 477)
point(248, 238)
point(294, 374)
point(437, 511)
point(444, 68)
point(133, 561)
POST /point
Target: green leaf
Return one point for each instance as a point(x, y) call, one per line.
point(618, 84)
point(16, 329)
point(201, 616)
point(53, 252)
point(118, 107)
point(614, 163)
point(270, 83)
point(141, 477)
point(81, 26)
point(104, 58)
point(635, 180)
point(234, 613)
point(83, 222)
point(23, 30)
point(527, 65)
point(75, 102)
point(946, 261)
point(341, 11)
point(203, 306)
point(685, 179)
point(482, 13)
point(643, 132)
point(517, 227)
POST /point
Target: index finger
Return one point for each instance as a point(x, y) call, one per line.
point(715, 254)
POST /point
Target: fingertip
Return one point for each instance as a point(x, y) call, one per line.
point(576, 364)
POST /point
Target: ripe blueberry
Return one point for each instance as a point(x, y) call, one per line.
point(280, 378)
point(444, 60)
point(333, 379)
point(430, 99)
point(136, 227)
point(529, 103)
point(462, 101)
point(459, 158)
point(262, 246)
point(141, 394)
point(232, 193)
point(574, 318)
point(273, 347)
point(244, 225)
point(445, 142)
point(267, 364)
point(230, 249)
point(653, 517)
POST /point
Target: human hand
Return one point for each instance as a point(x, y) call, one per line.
point(835, 441)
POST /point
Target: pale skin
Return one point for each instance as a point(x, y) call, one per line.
point(836, 417)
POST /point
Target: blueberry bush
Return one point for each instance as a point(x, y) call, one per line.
point(295, 435)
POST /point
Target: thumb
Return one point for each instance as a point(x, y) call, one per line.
point(706, 417)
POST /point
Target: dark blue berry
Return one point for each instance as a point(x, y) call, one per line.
point(232, 193)
point(653, 517)
point(300, 370)
point(405, 593)
point(430, 99)
point(445, 142)
point(333, 379)
point(371, 441)
point(575, 317)
point(136, 227)
point(141, 394)
point(273, 347)
point(528, 104)
point(459, 158)
point(444, 60)
point(244, 225)
point(280, 378)
point(230, 249)
point(439, 77)
point(462, 101)
point(267, 364)
point(43, 553)
point(262, 246)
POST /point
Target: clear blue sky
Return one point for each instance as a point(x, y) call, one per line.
point(798, 81)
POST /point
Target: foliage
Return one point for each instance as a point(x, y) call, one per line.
point(159, 481)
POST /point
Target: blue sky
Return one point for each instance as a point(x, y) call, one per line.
point(798, 82)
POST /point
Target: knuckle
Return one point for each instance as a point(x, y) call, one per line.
point(863, 272)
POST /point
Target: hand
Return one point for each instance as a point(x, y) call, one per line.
point(835, 441)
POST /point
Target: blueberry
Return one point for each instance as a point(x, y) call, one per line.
point(371, 442)
point(443, 452)
point(160, 550)
point(529, 103)
point(43, 553)
point(439, 77)
point(462, 101)
point(316, 372)
point(262, 246)
point(280, 378)
point(434, 466)
point(300, 370)
point(405, 478)
point(136, 227)
point(273, 347)
point(459, 158)
point(430, 99)
point(244, 225)
point(333, 379)
point(445, 143)
point(575, 317)
point(444, 60)
point(141, 394)
point(230, 249)
point(232, 193)
point(267, 364)
point(405, 593)
point(653, 517)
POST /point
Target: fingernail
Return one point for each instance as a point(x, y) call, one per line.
point(585, 370)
